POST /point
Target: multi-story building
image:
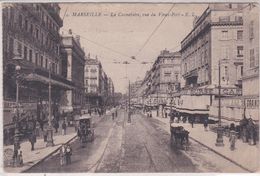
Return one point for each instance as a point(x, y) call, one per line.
point(216, 40)
point(96, 84)
point(92, 78)
point(134, 94)
point(31, 41)
point(164, 75)
point(111, 92)
point(73, 63)
point(251, 61)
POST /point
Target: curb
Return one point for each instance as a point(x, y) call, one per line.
point(44, 158)
point(218, 153)
point(211, 149)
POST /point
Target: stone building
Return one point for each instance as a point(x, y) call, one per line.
point(216, 40)
point(251, 61)
point(31, 41)
point(96, 84)
point(73, 63)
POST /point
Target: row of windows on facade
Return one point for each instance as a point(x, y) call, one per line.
point(92, 70)
point(91, 82)
point(46, 19)
point(33, 57)
point(38, 34)
point(35, 30)
point(225, 33)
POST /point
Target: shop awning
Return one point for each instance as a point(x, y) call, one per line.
point(189, 111)
point(42, 79)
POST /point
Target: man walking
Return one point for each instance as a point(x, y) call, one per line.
point(64, 126)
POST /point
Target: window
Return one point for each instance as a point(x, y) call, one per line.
point(224, 18)
point(25, 52)
point(224, 35)
point(185, 67)
point(251, 30)
point(30, 55)
point(11, 45)
point(225, 52)
point(42, 42)
point(26, 25)
point(240, 52)
point(240, 35)
point(37, 33)
point(239, 18)
point(20, 22)
point(36, 58)
point(225, 77)
point(86, 82)
point(93, 70)
point(167, 74)
point(46, 63)
point(41, 61)
point(241, 70)
point(252, 58)
point(176, 76)
point(19, 48)
point(31, 28)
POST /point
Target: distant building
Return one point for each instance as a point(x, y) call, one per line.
point(111, 92)
point(251, 61)
point(92, 78)
point(73, 63)
point(96, 84)
point(216, 39)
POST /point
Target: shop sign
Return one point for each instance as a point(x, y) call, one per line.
point(207, 91)
point(252, 103)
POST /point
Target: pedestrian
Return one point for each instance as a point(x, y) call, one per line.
point(116, 112)
point(64, 126)
point(232, 139)
point(62, 155)
point(206, 124)
point(68, 154)
point(113, 115)
point(192, 121)
point(45, 133)
point(20, 158)
point(32, 139)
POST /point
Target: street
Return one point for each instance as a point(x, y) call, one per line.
point(140, 146)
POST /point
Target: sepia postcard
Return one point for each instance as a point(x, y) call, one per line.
point(129, 87)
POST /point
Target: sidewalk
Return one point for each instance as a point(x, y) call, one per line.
point(244, 155)
point(41, 152)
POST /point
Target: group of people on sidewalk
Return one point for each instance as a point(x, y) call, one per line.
point(65, 154)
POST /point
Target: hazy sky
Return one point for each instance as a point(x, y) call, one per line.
point(113, 37)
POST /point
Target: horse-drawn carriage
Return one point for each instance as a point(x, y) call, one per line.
point(85, 129)
point(179, 137)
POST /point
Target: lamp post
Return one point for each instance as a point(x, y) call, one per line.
point(129, 106)
point(16, 120)
point(49, 130)
point(219, 140)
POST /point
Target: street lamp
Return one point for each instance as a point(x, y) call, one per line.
point(49, 130)
point(219, 140)
point(16, 120)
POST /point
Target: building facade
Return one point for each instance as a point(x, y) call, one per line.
point(31, 42)
point(215, 45)
point(97, 85)
point(251, 61)
point(73, 63)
